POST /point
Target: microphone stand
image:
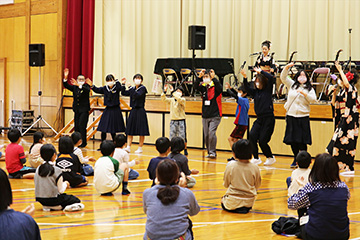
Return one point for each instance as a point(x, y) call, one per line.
point(350, 49)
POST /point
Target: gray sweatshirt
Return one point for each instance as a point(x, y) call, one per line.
point(297, 105)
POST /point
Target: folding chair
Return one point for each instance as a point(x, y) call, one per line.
point(186, 78)
point(171, 77)
point(322, 70)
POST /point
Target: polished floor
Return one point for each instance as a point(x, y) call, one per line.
point(122, 217)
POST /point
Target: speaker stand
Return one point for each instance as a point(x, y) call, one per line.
point(39, 118)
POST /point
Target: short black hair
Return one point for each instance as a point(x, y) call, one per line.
point(120, 140)
point(13, 135)
point(325, 170)
point(66, 145)
point(5, 191)
point(303, 159)
point(177, 144)
point(107, 147)
point(242, 149)
point(109, 77)
point(266, 43)
point(162, 144)
point(138, 75)
point(242, 88)
point(75, 137)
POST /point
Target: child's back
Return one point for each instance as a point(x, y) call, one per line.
point(300, 176)
point(35, 159)
point(14, 154)
point(71, 167)
point(105, 179)
point(182, 162)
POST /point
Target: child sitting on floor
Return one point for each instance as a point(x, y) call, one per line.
point(69, 163)
point(109, 173)
point(162, 145)
point(122, 156)
point(299, 177)
point(177, 145)
point(86, 169)
point(49, 184)
point(35, 159)
point(15, 157)
point(242, 178)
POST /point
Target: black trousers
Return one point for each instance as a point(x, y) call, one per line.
point(261, 131)
point(242, 210)
point(62, 199)
point(296, 148)
point(81, 120)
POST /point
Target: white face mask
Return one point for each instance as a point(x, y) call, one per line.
point(302, 79)
point(81, 82)
point(257, 84)
point(110, 84)
point(137, 81)
point(206, 80)
point(177, 94)
point(239, 94)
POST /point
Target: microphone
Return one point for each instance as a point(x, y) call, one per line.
point(253, 54)
point(243, 65)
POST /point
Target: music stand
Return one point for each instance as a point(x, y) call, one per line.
point(39, 118)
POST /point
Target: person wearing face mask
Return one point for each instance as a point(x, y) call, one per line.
point(137, 124)
point(241, 115)
point(300, 95)
point(263, 127)
point(343, 143)
point(265, 61)
point(177, 113)
point(211, 93)
point(112, 119)
point(81, 103)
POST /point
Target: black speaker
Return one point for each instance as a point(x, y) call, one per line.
point(36, 55)
point(196, 37)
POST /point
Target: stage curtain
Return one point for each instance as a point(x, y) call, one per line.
point(79, 48)
point(131, 35)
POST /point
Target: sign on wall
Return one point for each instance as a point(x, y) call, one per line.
point(4, 2)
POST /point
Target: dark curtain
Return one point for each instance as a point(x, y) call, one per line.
point(79, 50)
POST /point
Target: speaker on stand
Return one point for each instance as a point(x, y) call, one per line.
point(196, 41)
point(37, 59)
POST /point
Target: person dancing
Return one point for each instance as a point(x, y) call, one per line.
point(300, 95)
point(343, 143)
point(263, 127)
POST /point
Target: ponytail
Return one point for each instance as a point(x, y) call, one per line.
point(47, 152)
point(168, 194)
point(46, 169)
point(37, 137)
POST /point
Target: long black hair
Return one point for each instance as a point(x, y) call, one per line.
point(5, 191)
point(325, 170)
point(47, 152)
point(37, 137)
point(167, 172)
point(297, 84)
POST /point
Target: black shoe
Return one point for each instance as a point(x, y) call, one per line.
point(125, 192)
point(186, 152)
point(107, 194)
point(230, 159)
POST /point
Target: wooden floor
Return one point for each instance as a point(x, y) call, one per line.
point(122, 217)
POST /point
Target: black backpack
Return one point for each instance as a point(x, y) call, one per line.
point(287, 225)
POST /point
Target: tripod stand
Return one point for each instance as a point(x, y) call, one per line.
point(39, 118)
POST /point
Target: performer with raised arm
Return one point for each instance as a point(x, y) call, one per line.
point(81, 103)
point(112, 119)
point(263, 127)
point(300, 95)
point(343, 143)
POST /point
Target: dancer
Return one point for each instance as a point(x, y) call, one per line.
point(265, 61)
point(112, 119)
point(81, 103)
point(211, 93)
point(137, 124)
point(343, 143)
point(300, 95)
point(263, 127)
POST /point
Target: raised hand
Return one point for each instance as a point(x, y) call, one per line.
point(243, 73)
point(88, 81)
point(74, 82)
point(338, 66)
point(123, 80)
point(66, 73)
point(290, 65)
point(165, 88)
point(227, 85)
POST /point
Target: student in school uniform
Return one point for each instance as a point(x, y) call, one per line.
point(137, 124)
point(81, 103)
point(112, 119)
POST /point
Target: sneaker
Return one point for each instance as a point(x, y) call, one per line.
point(347, 173)
point(211, 155)
point(125, 192)
point(128, 149)
point(139, 150)
point(256, 161)
point(269, 161)
point(186, 152)
point(74, 207)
